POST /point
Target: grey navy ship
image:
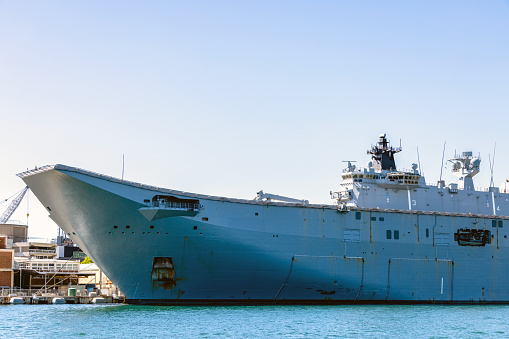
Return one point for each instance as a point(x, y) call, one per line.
point(389, 237)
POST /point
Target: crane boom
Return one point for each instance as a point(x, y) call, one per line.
point(268, 197)
point(12, 207)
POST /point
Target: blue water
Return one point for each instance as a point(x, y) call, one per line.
point(102, 321)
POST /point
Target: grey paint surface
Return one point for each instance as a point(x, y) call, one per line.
point(386, 240)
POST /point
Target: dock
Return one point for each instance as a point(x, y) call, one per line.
point(48, 299)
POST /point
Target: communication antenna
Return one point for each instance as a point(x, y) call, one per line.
point(123, 166)
point(492, 166)
point(442, 168)
point(419, 160)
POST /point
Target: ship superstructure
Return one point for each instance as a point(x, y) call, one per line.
point(381, 185)
point(389, 237)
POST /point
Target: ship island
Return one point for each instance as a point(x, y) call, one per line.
point(388, 237)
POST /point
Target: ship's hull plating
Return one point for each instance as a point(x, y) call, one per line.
point(253, 252)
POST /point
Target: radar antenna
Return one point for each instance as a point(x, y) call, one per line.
point(383, 154)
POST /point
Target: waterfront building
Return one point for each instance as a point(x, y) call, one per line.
point(6, 264)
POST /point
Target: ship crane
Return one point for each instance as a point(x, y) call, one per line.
point(12, 207)
point(268, 197)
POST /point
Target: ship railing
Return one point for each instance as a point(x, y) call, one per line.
point(364, 170)
point(177, 205)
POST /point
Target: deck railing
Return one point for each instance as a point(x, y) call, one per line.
point(176, 205)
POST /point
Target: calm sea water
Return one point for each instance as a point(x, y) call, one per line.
point(102, 321)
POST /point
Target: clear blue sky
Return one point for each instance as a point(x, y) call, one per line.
point(230, 97)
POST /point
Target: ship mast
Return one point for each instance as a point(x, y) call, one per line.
point(383, 155)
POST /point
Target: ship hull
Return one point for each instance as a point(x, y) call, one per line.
point(232, 251)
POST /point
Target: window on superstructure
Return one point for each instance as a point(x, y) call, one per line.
point(427, 232)
point(396, 234)
point(358, 215)
point(388, 234)
point(500, 224)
